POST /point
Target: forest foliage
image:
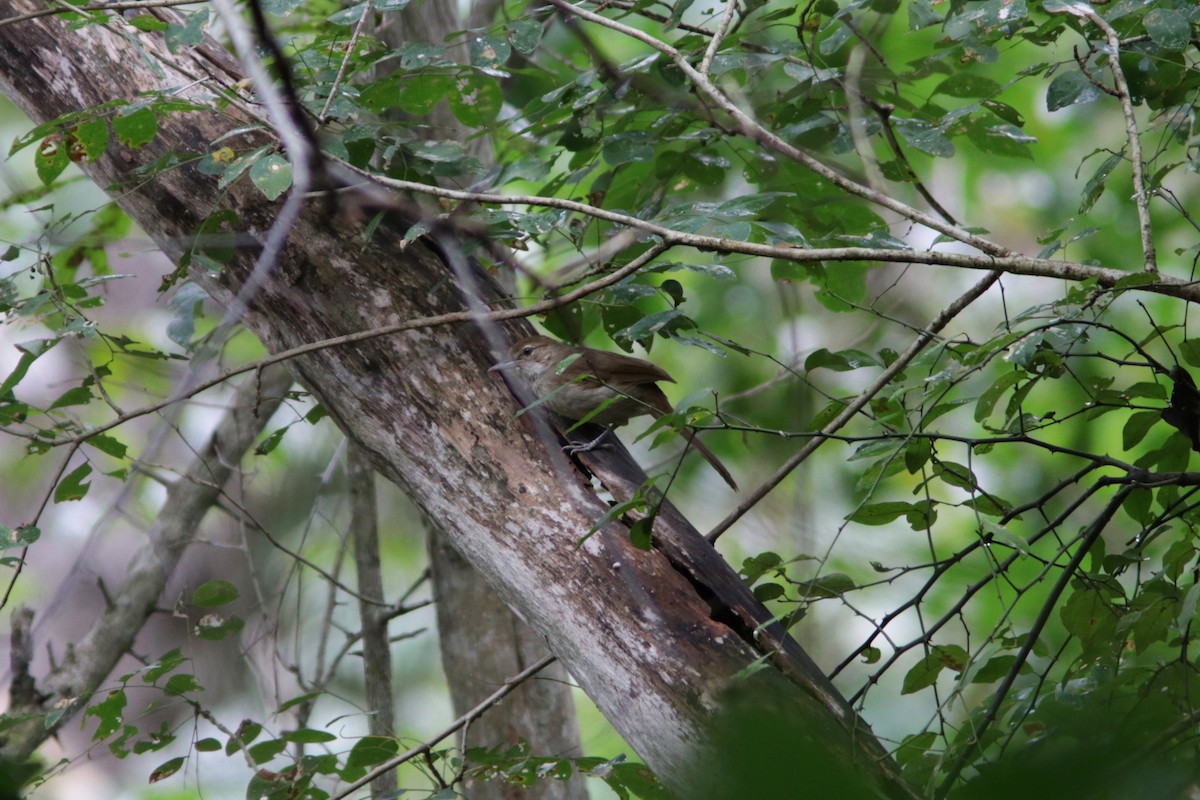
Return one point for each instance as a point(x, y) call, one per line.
point(925, 266)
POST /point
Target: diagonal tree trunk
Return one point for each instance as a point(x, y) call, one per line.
point(655, 638)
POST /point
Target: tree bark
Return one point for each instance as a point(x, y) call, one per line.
point(655, 638)
point(482, 642)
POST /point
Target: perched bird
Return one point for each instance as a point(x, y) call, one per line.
point(574, 382)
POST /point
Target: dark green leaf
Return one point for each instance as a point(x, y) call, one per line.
point(72, 487)
point(247, 732)
point(1069, 88)
point(1168, 28)
point(768, 591)
point(1137, 426)
point(996, 668)
point(167, 663)
point(524, 34)
point(917, 453)
point(925, 137)
point(108, 711)
point(641, 533)
point(78, 396)
point(308, 736)
point(966, 84)
point(371, 750)
point(265, 751)
point(880, 513)
point(167, 769)
point(181, 683)
point(214, 593)
point(834, 584)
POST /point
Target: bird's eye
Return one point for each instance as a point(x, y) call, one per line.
point(527, 350)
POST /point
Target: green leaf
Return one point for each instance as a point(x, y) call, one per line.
point(1088, 616)
point(30, 351)
point(489, 52)
point(208, 745)
point(1190, 350)
point(298, 700)
point(641, 533)
point(272, 175)
point(108, 711)
point(371, 750)
point(145, 22)
point(265, 751)
point(136, 128)
point(271, 441)
point(925, 137)
point(91, 137)
point(966, 84)
point(1095, 185)
point(167, 769)
point(21, 536)
point(768, 591)
point(72, 487)
point(834, 584)
point(996, 668)
point(181, 683)
point(78, 396)
point(189, 34)
point(214, 627)
point(841, 361)
point(475, 99)
point(926, 671)
point(168, 662)
point(51, 158)
point(1168, 29)
point(247, 732)
point(1153, 623)
point(880, 513)
point(917, 453)
point(525, 34)
point(308, 736)
point(1137, 426)
point(214, 593)
point(1070, 88)
point(987, 400)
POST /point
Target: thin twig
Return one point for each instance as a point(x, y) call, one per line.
point(858, 403)
point(495, 697)
point(1141, 197)
point(1048, 607)
point(718, 36)
point(122, 5)
point(754, 131)
point(341, 73)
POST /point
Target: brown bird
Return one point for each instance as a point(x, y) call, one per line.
point(574, 382)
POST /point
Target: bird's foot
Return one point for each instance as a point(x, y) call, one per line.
point(575, 447)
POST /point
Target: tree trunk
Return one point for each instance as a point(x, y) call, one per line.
point(655, 638)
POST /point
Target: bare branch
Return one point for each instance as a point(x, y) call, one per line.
point(856, 405)
point(113, 633)
point(1141, 196)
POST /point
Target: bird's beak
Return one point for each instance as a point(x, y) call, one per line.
point(502, 365)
